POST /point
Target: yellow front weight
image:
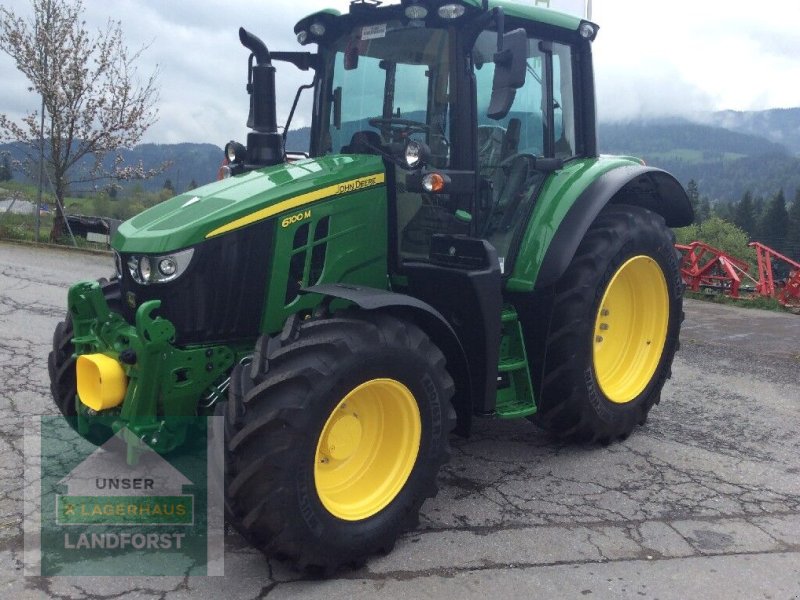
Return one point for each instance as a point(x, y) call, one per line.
point(101, 381)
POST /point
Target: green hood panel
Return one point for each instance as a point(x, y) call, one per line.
point(225, 205)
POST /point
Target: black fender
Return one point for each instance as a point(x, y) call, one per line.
point(428, 319)
point(638, 185)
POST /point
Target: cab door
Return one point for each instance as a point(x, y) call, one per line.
point(512, 150)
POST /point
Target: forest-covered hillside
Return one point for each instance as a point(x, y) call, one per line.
point(727, 154)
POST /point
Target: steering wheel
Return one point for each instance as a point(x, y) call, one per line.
point(401, 128)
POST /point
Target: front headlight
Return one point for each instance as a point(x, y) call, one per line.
point(159, 269)
point(417, 154)
point(451, 11)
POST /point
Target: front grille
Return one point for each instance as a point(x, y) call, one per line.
point(220, 297)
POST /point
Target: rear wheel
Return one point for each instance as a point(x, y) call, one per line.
point(614, 328)
point(334, 436)
point(61, 364)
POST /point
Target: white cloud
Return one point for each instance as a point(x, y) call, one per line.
point(683, 56)
point(651, 58)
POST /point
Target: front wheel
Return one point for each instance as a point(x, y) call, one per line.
point(61, 366)
point(334, 437)
point(614, 328)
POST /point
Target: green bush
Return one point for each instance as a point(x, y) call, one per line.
point(721, 234)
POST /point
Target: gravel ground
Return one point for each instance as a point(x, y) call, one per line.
point(702, 501)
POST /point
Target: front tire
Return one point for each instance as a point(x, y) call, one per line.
point(334, 436)
point(61, 365)
point(614, 328)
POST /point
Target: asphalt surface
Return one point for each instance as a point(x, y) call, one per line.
point(702, 501)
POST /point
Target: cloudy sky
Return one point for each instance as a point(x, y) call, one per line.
point(652, 58)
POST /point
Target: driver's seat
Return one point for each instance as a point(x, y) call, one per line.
point(363, 142)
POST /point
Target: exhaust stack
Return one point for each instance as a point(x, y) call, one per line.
point(264, 143)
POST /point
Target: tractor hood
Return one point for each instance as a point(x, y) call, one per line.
point(227, 205)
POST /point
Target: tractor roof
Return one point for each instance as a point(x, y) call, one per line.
point(531, 13)
point(512, 9)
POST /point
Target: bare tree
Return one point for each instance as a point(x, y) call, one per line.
point(94, 103)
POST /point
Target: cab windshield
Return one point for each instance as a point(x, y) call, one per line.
point(390, 81)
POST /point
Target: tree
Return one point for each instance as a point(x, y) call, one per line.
point(724, 211)
point(774, 222)
point(793, 234)
point(6, 174)
point(759, 205)
point(720, 234)
point(744, 216)
point(704, 210)
point(192, 185)
point(168, 186)
point(94, 101)
point(694, 197)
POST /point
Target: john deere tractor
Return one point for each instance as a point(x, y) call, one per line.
point(451, 247)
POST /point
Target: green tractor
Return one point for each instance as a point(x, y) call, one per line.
point(451, 247)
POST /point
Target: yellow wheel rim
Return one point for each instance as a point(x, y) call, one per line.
point(630, 329)
point(367, 449)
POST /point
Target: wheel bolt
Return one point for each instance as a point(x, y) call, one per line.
point(603, 326)
point(604, 312)
point(598, 339)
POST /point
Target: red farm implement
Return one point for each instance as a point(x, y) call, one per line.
point(709, 269)
point(706, 268)
point(786, 291)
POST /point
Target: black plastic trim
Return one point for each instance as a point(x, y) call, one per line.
point(463, 282)
point(302, 60)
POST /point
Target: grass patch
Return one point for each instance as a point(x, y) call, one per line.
point(22, 228)
point(30, 192)
point(759, 302)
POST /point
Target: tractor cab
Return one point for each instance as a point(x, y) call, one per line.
point(470, 105)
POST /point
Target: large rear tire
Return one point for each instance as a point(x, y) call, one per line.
point(61, 364)
point(614, 328)
point(334, 436)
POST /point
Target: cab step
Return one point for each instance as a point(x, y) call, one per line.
point(514, 390)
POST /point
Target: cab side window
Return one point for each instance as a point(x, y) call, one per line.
point(541, 123)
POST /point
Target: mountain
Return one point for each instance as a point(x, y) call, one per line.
point(187, 162)
point(781, 125)
point(673, 136)
point(724, 163)
point(755, 151)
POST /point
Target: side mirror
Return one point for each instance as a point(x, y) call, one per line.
point(509, 73)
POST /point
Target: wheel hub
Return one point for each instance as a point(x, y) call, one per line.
point(343, 438)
